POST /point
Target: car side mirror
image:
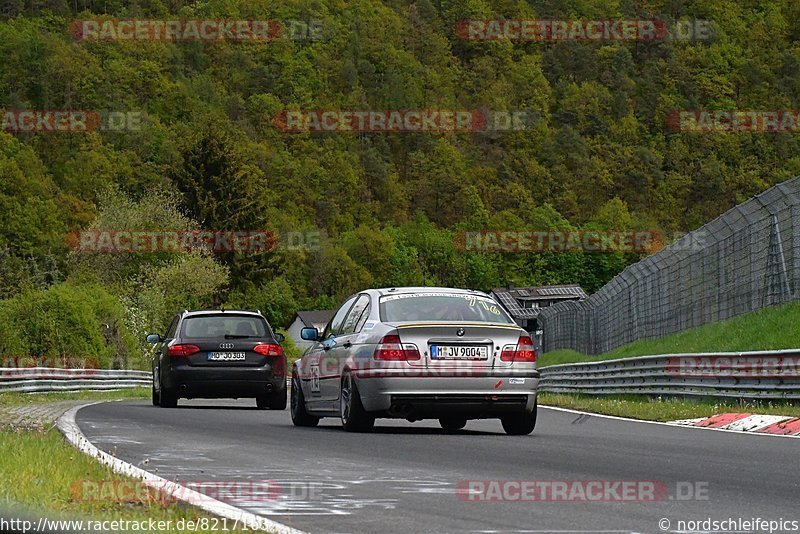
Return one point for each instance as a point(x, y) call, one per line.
point(309, 334)
point(154, 338)
point(279, 337)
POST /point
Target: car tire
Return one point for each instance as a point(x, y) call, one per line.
point(300, 417)
point(453, 424)
point(520, 424)
point(273, 401)
point(354, 417)
point(155, 395)
point(168, 398)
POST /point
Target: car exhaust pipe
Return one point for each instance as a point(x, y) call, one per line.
point(270, 387)
point(183, 387)
point(401, 410)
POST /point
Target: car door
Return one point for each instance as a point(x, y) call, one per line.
point(322, 360)
point(346, 342)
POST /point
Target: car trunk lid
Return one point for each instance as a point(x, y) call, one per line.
point(454, 345)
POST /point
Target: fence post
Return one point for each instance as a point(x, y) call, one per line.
point(796, 250)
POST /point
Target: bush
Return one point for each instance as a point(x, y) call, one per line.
point(67, 321)
point(290, 348)
point(191, 281)
point(275, 300)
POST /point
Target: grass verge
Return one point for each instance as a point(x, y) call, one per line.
point(768, 329)
point(663, 409)
point(15, 398)
point(43, 476)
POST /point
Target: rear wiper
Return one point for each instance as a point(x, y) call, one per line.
point(236, 336)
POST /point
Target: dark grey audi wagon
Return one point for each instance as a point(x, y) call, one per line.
point(219, 354)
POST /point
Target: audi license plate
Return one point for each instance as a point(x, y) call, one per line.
point(226, 356)
point(459, 352)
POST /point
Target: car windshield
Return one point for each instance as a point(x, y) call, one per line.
point(441, 307)
point(223, 326)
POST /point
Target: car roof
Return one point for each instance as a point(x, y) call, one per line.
point(195, 313)
point(427, 289)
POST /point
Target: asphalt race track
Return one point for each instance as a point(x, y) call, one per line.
point(403, 477)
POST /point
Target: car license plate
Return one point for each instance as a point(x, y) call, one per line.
point(226, 356)
point(459, 352)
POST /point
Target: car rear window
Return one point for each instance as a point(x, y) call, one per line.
point(220, 326)
point(441, 307)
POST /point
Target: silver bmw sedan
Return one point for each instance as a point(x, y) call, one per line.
point(417, 353)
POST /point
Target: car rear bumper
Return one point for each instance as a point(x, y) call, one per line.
point(431, 395)
point(222, 382)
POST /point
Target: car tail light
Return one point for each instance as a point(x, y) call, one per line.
point(521, 352)
point(183, 350)
point(390, 348)
point(268, 349)
point(275, 351)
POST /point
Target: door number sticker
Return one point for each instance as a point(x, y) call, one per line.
point(315, 378)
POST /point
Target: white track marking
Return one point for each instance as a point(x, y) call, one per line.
point(689, 422)
point(69, 427)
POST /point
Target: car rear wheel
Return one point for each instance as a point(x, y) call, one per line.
point(354, 417)
point(300, 417)
point(168, 398)
point(452, 424)
point(519, 424)
point(273, 401)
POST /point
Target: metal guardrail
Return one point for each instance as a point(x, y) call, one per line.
point(35, 379)
point(747, 375)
